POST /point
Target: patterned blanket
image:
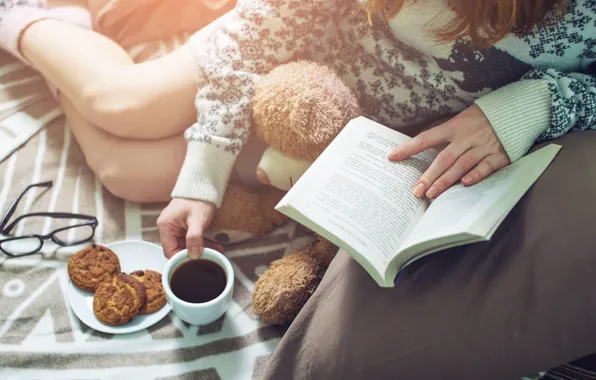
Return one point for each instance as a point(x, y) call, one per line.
point(40, 337)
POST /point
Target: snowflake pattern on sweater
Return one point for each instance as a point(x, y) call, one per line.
point(398, 72)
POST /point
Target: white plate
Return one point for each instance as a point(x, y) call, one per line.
point(133, 255)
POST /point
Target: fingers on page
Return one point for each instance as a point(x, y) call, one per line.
point(453, 174)
point(485, 167)
point(423, 141)
point(443, 162)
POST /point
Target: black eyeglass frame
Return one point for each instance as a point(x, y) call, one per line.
point(5, 229)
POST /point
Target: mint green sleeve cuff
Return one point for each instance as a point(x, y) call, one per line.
point(519, 113)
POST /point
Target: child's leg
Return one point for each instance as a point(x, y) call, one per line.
point(143, 101)
point(149, 100)
point(136, 170)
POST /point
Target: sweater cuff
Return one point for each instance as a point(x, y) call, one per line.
point(519, 113)
point(205, 173)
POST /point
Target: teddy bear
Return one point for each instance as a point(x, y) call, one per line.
point(297, 110)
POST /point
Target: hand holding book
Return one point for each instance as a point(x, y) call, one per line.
point(353, 196)
point(473, 152)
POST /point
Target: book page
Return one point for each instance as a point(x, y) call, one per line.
point(355, 194)
point(476, 209)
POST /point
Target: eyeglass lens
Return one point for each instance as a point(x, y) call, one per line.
point(72, 235)
point(25, 245)
point(19, 246)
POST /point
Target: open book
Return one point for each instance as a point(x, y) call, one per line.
point(356, 198)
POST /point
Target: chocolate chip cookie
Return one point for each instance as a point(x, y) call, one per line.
point(92, 266)
point(119, 300)
point(156, 297)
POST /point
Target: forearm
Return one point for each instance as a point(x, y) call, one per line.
point(543, 105)
point(205, 172)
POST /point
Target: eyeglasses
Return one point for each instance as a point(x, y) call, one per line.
point(82, 230)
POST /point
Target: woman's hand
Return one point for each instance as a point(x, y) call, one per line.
point(181, 225)
point(473, 152)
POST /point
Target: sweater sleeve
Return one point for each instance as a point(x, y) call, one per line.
point(256, 36)
point(543, 105)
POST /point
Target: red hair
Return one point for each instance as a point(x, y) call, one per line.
point(483, 21)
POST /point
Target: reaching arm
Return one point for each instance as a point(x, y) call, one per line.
point(543, 105)
point(257, 36)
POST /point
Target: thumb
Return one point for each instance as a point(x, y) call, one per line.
point(194, 238)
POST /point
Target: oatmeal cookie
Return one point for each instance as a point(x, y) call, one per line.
point(119, 300)
point(156, 297)
point(93, 265)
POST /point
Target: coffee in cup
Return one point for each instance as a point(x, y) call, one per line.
point(198, 281)
point(199, 291)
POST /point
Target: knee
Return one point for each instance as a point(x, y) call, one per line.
point(305, 358)
point(112, 177)
point(104, 106)
point(123, 183)
point(126, 186)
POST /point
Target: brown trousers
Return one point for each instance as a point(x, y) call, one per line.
point(522, 303)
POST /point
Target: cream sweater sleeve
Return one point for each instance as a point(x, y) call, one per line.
point(257, 36)
point(543, 105)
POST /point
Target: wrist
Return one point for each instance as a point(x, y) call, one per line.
point(518, 113)
point(205, 173)
point(206, 205)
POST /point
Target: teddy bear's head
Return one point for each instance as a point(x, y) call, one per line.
point(297, 110)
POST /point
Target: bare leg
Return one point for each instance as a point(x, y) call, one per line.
point(136, 170)
point(149, 100)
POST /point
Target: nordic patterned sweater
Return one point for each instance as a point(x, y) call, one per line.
point(532, 88)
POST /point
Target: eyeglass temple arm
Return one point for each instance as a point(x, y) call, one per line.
point(14, 205)
point(60, 215)
point(89, 220)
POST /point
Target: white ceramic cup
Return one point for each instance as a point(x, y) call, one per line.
point(199, 313)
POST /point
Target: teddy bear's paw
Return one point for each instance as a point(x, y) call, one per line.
point(245, 214)
point(270, 197)
point(281, 292)
point(262, 176)
point(324, 250)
